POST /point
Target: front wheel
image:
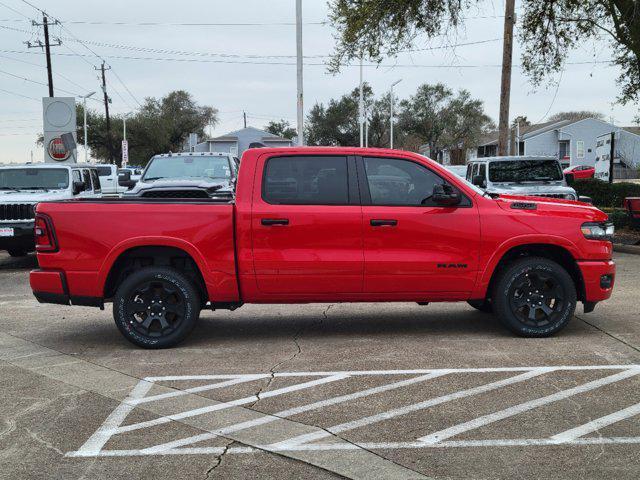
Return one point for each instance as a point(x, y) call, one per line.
point(534, 297)
point(156, 307)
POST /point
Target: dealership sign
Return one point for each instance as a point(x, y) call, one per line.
point(59, 117)
point(57, 151)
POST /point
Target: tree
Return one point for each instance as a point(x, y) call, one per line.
point(160, 126)
point(338, 122)
point(282, 129)
point(442, 119)
point(549, 30)
point(575, 115)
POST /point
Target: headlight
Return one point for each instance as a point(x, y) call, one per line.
point(598, 231)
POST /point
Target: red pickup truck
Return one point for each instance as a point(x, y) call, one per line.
point(325, 225)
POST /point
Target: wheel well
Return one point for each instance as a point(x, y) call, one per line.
point(138, 257)
point(551, 252)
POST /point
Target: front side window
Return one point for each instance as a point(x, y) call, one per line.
point(96, 181)
point(310, 180)
point(399, 182)
point(86, 179)
point(34, 179)
point(483, 171)
point(104, 171)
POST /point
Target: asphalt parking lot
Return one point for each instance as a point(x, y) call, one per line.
point(320, 391)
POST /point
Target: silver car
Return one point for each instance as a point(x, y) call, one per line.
point(538, 176)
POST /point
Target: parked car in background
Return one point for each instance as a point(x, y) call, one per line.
point(109, 180)
point(580, 171)
point(185, 175)
point(460, 170)
point(23, 186)
point(314, 224)
point(537, 176)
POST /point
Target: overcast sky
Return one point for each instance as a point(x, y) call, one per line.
point(242, 80)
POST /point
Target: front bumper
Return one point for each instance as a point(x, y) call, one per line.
point(598, 278)
point(22, 238)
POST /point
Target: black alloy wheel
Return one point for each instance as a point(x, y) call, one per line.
point(534, 297)
point(156, 307)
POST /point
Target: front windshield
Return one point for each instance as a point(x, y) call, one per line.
point(515, 171)
point(188, 167)
point(34, 178)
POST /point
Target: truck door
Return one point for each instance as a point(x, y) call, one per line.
point(410, 243)
point(307, 225)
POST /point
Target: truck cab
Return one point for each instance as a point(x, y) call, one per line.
point(22, 187)
point(538, 176)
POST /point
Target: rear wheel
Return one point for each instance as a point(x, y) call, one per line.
point(156, 307)
point(534, 297)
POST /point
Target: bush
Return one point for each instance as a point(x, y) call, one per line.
point(619, 217)
point(605, 194)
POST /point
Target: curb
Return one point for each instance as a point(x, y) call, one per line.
point(633, 249)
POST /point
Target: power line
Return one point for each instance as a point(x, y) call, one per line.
point(36, 82)
point(18, 95)
point(15, 11)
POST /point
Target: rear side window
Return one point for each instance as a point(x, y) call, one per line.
point(308, 180)
point(104, 171)
point(483, 171)
point(96, 181)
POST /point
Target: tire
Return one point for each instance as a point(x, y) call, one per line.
point(484, 306)
point(534, 297)
point(16, 252)
point(156, 307)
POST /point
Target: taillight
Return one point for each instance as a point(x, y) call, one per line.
point(44, 234)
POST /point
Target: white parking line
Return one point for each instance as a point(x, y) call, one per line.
point(523, 407)
point(94, 446)
point(598, 423)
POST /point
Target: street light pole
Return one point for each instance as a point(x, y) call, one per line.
point(391, 101)
point(84, 110)
point(361, 108)
point(300, 97)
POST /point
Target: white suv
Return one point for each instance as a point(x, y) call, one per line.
point(23, 186)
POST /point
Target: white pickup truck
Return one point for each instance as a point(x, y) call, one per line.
point(24, 186)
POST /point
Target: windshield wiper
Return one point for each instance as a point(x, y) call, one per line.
point(15, 189)
point(152, 178)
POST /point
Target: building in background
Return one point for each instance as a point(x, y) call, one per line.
point(238, 141)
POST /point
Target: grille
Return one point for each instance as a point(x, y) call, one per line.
point(17, 211)
point(175, 194)
point(552, 195)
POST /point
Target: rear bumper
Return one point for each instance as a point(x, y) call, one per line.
point(599, 278)
point(50, 286)
point(22, 238)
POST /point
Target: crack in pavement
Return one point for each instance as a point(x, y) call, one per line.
point(219, 458)
point(624, 342)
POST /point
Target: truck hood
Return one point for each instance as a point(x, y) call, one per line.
point(32, 196)
point(557, 206)
point(211, 186)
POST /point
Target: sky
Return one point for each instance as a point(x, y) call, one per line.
point(242, 57)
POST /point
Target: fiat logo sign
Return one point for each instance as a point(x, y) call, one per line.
point(57, 150)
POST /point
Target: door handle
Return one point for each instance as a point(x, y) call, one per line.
point(383, 223)
point(267, 222)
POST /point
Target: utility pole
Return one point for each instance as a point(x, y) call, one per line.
point(391, 119)
point(106, 110)
point(244, 116)
point(505, 84)
point(300, 96)
point(361, 108)
point(47, 47)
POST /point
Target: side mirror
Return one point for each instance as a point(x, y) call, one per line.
point(585, 199)
point(78, 187)
point(445, 195)
point(124, 179)
point(569, 178)
point(479, 181)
